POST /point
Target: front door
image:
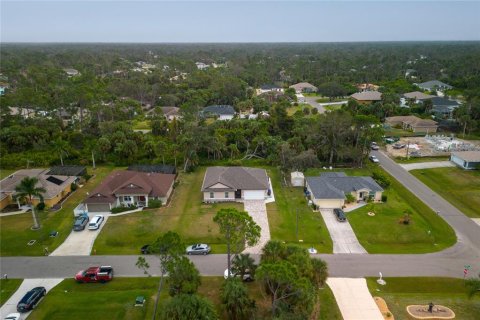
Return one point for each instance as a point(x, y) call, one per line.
point(238, 194)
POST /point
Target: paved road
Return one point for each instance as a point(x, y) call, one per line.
point(321, 106)
point(343, 237)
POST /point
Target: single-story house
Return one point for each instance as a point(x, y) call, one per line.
point(129, 188)
point(56, 186)
point(434, 85)
point(202, 65)
point(413, 123)
point(68, 170)
point(469, 160)
point(222, 112)
point(171, 113)
point(329, 190)
point(268, 88)
point(22, 112)
point(415, 96)
point(367, 96)
point(158, 168)
point(297, 179)
point(235, 183)
point(443, 107)
point(71, 72)
point(302, 87)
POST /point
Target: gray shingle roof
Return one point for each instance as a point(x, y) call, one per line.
point(334, 185)
point(429, 85)
point(440, 101)
point(243, 178)
point(219, 110)
point(367, 96)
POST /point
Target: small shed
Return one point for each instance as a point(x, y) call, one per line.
point(297, 179)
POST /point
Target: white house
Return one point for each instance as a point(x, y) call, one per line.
point(468, 160)
point(221, 112)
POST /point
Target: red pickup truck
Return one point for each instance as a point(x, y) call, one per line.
point(95, 274)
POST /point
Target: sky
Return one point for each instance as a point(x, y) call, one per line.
point(237, 21)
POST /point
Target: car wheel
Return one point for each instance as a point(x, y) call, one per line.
point(205, 253)
point(189, 253)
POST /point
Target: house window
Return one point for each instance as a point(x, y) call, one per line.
point(127, 198)
point(212, 195)
point(226, 194)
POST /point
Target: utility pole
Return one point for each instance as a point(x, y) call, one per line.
point(408, 146)
point(297, 224)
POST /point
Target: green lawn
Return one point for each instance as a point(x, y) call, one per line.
point(384, 233)
point(293, 109)
point(420, 159)
point(16, 232)
point(186, 215)
point(401, 292)
point(282, 217)
point(7, 288)
point(6, 172)
point(333, 107)
point(141, 125)
point(326, 99)
point(393, 132)
point(460, 187)
point(114, 300)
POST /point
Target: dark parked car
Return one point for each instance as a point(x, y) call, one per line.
point(31, 299)
point(80, 222)
point(199, 248)
point(340, 215)
point(145, 249)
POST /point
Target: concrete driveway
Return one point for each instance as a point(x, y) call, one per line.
point(258, 211)
point(79, 243)
point(353, 298)
point(343, 237)
point(28, 284)
point(427, 165)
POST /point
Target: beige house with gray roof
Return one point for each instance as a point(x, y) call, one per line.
point(235, 184)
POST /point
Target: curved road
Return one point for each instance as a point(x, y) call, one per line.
point(447, 263)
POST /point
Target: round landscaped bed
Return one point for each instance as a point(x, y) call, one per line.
point(438, 312)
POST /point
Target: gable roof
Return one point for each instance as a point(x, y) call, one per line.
point(131, 182)
point(53, 184)
point(219, 110)
point(69, 170)
point(429, 85)
point(440, 101)
point(243, 178)
point(367, 96)
point(170, 111)
point(334, 185)
point(303, 85)
point(470, 156)
point(417, 95)
point(158, 168)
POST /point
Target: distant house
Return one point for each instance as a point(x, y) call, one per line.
point(158, 168)
point(366, 97)
point(417, 96)
point(412, 123)
point(129, 188)
point(434, 85)
point(410, 73)
point(56, 186)
point(222, 184)
point(221, 112)
point(466, 159)
point(171, 113)
point(304, 87)
point(71, 72)
point(367, 87)
point(201, 65)
point(329, 190)
point(268, 88)
point(22, 112)
point(273, 96)
point(443, 108)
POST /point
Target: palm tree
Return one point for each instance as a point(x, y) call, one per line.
point(61, 146)
point(26, 190)
point(243, 264)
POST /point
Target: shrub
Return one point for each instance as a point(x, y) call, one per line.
point(235, 163)
point(122, 209)
point(154, 203)
point(384, 198)
point(306, 111)
point(87, 177)
point(314, 111)
point(41, 206)
point(381, 179)
point(350, 198)
point(73, 186)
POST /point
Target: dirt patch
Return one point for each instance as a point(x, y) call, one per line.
point(382, 306)
point(430, 147)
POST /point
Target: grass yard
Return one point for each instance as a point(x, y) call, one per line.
point(293, 109)
point(115, 300)
point(404, 160)
point(449, 292)
point(394, 132)
point(16, 232)
point(460, 187)
point(141, 125)
point(282, 216)
point(384, 233)
point(7, 288)
point(186, 215)
point(333, 107)
point(6, 172)
point(326, 100)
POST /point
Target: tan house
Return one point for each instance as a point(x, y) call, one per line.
point(56, 186)
point(234, 184)
point(329, 190)
point(171, 113)
point(302, 87)
point(412, 123)
point(367, 97)
point(129, 188)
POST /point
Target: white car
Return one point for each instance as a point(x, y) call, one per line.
point(246, 277)
point(12, 316)
point(374, 159)
point(96, 222)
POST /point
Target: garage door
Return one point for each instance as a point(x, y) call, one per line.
point(253, 194)
point(99, 207)
point(329, 204)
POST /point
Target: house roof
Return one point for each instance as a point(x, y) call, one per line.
point(243, 178)
point(67, 170)
point(434, 83)
point(470, 156)
point(367, 96)
point(334, 185)
point(170, 111)
point(219, 110)
point(303, 85)
point(53, 184)
point(412, 121)
point(269, 87)
point(158, 168)
point(131, 182)
point(417, 95)
point(440, 101)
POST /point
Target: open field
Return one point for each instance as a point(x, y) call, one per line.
point(185, 214)
point(7, 288)
point(282, 217)
point(16, 232)
point(401, 292)
point(115, 300)
point(460, 187)
point(384, 233)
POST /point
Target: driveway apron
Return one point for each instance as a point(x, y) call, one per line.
point(258, 211)
point(343, 237)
